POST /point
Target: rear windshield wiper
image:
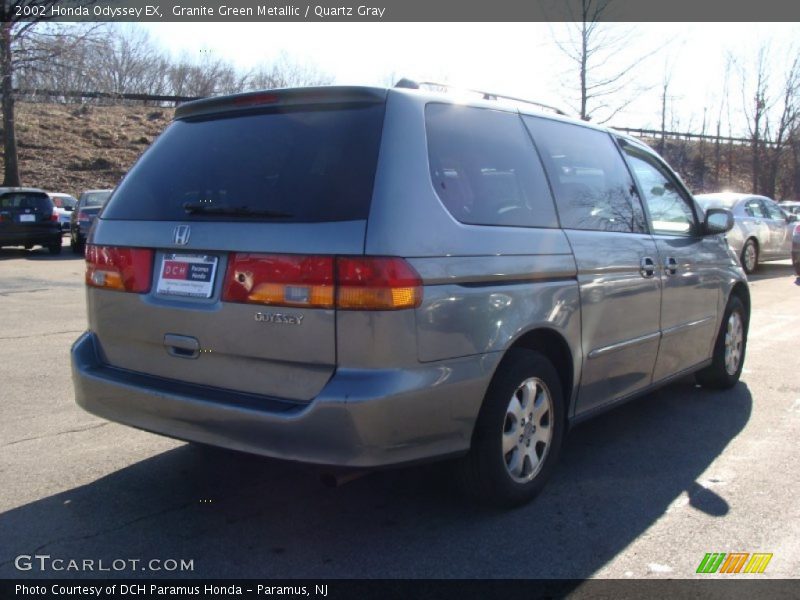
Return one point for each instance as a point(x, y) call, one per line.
point(240, 211)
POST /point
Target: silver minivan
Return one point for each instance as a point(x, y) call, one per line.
point(364, 277)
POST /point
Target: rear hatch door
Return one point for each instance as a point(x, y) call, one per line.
point(25, 213)
point(274, 183)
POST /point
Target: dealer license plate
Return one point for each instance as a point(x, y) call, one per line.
point(187, 275)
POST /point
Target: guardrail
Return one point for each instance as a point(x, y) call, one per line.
point(656, 133)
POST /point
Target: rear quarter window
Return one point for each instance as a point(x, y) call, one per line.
point(485, 169)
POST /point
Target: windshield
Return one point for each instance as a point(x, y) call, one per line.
point(297, 165)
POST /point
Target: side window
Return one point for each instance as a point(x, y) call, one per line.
point(670, 211)
point(774, 211)
point(593, 188)
point(485, 169)
point(753, 208)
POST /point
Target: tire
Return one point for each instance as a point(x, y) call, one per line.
point(75, 245)
point(55, 248)
point(28, 246)
point(511, 479)
point(728, 359)
point(749, 261)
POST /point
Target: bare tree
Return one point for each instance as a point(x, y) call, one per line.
point(128, 61)
point(723, 104)
point(207, 77)
point(26, 43)
point(755, 109)
point(592, 46)
point(787, 105)
point(665, 83)
point(285, 72)
point(770, 103)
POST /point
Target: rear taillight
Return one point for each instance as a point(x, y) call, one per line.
point(54, 216)
point(364, 283)
point(281, 280)
point(797, 229)
point(82, 216)
point(123, 269)
point(377, 284)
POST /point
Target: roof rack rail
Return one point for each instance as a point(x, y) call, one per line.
point(414, 85)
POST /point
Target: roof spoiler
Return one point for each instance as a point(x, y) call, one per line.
point(281, 97)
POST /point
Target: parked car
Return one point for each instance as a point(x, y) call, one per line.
point(89, 205)
point(790, 206)
point(761, 232)
point(64, 205)
point(364, 277)
point(796, 249)
point(28, 218)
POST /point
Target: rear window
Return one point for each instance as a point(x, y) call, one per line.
point(94, 199)
point(300, 165)
point(485, 169)
point(30, 200)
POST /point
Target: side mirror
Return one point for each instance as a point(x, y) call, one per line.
point(718, 220)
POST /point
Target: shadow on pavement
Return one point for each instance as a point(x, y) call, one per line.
point(773, 271)
point(38, 253)
point(242, 516)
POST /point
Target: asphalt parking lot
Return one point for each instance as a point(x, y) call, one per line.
point(643, 491)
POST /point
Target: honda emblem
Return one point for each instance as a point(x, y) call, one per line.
point(181, 235)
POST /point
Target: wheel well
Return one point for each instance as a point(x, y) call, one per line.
point(556, 349)
point(741, 291)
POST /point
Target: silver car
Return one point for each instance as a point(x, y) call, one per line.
point(63, 205)
point(762, 230)
point(363, 277)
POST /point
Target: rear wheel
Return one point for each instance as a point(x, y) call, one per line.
point(750, 256)
point(729, 349)
point(518, 434)
point(54, 247)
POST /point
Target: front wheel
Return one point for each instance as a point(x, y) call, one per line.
point(518, 434)
point(728, 359)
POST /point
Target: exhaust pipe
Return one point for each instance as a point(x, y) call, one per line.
point(335, 479)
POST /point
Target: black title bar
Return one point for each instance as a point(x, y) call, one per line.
point(400, 10)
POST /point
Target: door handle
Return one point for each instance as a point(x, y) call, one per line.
point(648, 267)
point(182, 346)
point(670, 266)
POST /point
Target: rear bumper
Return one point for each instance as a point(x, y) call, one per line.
point(362, 418)
point(43, 236)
